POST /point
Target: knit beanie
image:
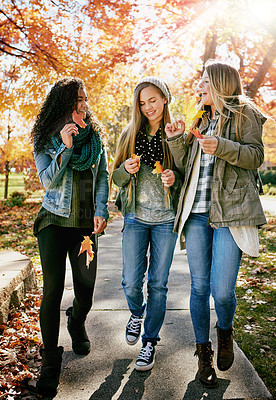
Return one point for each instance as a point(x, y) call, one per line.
point(157, 82)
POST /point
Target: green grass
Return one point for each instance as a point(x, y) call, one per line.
point(255, 315)
point(16, 184)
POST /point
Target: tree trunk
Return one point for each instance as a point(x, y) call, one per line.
point(7, 172)
point(210, 46)
point(7, 169)
point(266, 64)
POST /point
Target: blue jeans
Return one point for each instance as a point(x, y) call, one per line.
point(214, 260)
point(160, 240)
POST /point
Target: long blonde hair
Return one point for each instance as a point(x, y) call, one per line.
point(228, 97)
point(126, 143)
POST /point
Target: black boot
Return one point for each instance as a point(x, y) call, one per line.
point(80, 341)
point(225, 356)
point(206, 372)
point(50, 371)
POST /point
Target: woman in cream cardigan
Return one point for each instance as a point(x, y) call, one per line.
point(219, 208)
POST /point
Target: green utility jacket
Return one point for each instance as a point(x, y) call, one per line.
point(234, 195)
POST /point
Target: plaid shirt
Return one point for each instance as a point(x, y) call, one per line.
point(203, 192)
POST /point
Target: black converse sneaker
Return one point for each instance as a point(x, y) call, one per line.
point(133, 329)
point(145, 360)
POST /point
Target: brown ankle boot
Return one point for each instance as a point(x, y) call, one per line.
point(206, 372)
point(225, 356)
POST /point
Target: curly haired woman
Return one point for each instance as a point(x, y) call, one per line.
point(72, 166)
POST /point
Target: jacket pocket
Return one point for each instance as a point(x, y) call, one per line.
point(230, 182)
point(240, 203)
point(229, 206)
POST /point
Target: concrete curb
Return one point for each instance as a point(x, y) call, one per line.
point(16, 278)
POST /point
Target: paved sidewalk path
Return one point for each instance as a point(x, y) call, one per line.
point(107, 373)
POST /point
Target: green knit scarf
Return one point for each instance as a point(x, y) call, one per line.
point(87, 148)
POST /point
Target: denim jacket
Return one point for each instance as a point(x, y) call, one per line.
point(57, 178)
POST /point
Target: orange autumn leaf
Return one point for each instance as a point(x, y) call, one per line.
point(86, 245)
point(158, 168)
point(197, 133)
point(77, 118)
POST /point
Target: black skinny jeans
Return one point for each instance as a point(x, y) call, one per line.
point(54, 243)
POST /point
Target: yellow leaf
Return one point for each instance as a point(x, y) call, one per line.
point(190, 112)
point(158, 168)
point(189, 105)
point(133, 156)
point(199, 114)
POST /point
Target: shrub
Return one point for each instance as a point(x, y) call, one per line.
point(15, 199)
point(268, 176)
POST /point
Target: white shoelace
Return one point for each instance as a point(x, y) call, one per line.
point(134, 325)
point(146, 351)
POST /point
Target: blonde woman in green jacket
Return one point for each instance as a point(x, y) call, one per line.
point(219, 208)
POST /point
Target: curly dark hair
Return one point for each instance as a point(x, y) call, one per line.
point(57, 110)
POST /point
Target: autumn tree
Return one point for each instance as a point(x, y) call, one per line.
point(42, 41)
point(15, 151)
point(111, 45)
point(191, 32)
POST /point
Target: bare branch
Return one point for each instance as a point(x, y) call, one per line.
point(19, 12)
point(266, 64)
point(15, 48)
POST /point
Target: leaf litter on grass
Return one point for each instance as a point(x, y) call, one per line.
point(20, 338)
point(255, 315)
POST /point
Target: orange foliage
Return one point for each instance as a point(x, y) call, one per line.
point(86, 245)
point(100, 42)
